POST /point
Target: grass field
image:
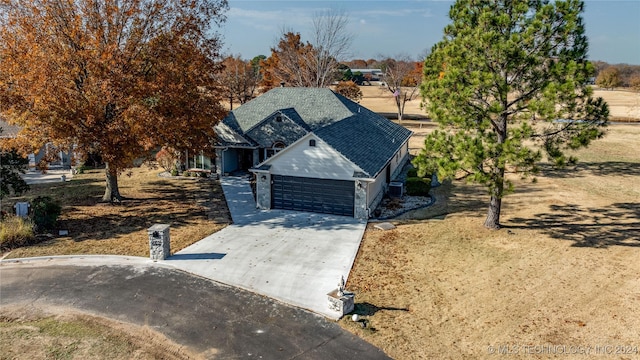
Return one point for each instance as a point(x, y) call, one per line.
point(623, 105)
point(562, 271)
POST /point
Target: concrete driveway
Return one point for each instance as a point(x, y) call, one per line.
point(51, 176)
point(294, 257)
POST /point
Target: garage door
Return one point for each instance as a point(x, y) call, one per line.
point(315, 195)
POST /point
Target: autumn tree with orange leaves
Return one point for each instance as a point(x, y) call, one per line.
point(291, 62)
point(239, 79)
point(349, 89)
point(116, 77)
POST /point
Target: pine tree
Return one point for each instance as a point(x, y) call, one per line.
point(504, 73)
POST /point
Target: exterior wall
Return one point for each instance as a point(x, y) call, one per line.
point(263, 191)
point(398, 161)
point(376, 190)
point(320, 161)
point(229, 160)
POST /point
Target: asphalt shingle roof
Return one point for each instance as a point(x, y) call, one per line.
point(367, 139)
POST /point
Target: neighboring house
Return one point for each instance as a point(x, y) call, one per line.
point(60, 158)
point(312, 150)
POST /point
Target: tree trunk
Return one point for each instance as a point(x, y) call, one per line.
point(493, 214)
point(111, 192)
point(400, 110)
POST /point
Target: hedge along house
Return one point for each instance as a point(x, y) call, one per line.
point(312, 150)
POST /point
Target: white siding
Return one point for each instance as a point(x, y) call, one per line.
point(320, 161)
point(374, 188)
point(395, 161)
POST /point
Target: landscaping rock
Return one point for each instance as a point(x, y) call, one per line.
point(384, 226)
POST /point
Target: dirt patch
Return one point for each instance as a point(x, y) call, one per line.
point(31, 333)
point(560, 276)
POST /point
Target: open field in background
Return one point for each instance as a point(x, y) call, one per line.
point(623, 105)
point(195, 208)
point(563, 270)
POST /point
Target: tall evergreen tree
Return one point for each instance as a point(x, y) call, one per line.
point(497, 83)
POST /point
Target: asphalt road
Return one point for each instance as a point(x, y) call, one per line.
point(192, 311)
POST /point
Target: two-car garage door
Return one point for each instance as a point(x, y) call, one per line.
point(311, 194)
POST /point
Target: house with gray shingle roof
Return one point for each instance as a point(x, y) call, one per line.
point(312, 150)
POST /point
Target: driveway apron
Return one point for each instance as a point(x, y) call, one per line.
point(295, 257)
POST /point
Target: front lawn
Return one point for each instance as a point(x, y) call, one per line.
point(193, 207)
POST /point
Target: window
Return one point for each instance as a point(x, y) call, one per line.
point(278, 118)
point(312, 142)
point(275, 148)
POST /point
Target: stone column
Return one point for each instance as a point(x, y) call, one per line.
point(360, 201)
point(340, 300)
point(219, 162)
point(263, 191)
point(159, 242)
point(256, 157)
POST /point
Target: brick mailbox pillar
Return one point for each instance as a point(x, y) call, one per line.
point(159, 242)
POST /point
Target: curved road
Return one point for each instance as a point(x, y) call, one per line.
point(202, 315)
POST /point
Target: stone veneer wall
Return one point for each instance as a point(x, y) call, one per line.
point(263, 191)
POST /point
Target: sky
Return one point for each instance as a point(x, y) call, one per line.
point(395, 27)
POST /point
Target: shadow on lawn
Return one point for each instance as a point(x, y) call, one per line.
point(618, 224)
point(606, 168)
point(162, 202)
point(368, 309)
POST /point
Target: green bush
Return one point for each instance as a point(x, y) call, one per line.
point(15, 232)
point(45, 212)
point(413, 172)
point(174, 172)
point(418, 186)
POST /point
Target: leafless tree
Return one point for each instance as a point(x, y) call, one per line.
point(402, 77)
point(331, 42)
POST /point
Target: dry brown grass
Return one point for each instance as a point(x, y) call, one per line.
point(60, 333)
point(623, 105)
point(194, 208)
point(563, 270)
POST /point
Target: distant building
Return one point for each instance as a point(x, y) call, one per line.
point(58, 157)
point(369, 74)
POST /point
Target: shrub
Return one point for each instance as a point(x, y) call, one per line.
point(413, 172)
point(418, 186)
point(45, 212)
point(166, 159)
point(82, 168)
point(15, 232)
point(174, 172)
